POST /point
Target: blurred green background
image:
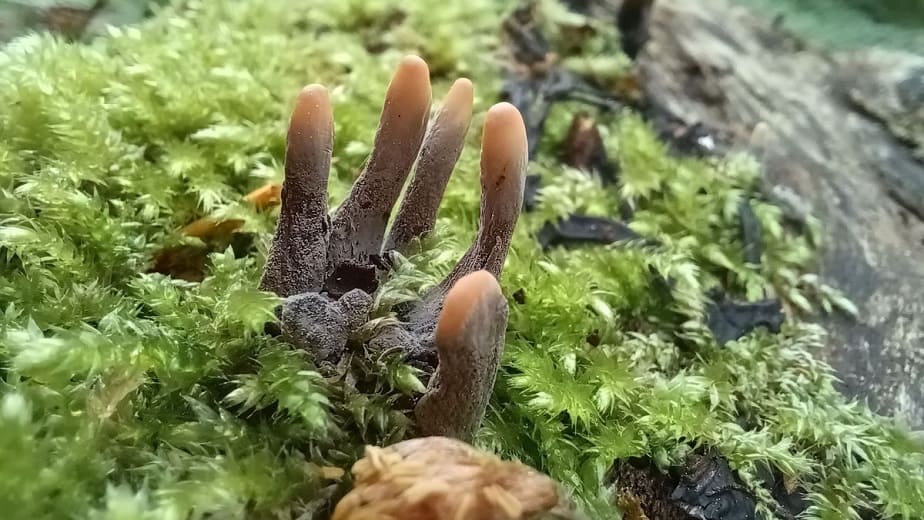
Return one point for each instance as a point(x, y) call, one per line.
point(845, 24)
point(831, 23)
point(74, 18)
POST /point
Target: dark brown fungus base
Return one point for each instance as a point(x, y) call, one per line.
point(314, 321)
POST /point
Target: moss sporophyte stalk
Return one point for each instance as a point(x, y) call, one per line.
point(140, 378)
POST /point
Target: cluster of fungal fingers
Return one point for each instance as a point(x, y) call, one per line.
point(327, 267)
point(435, 478)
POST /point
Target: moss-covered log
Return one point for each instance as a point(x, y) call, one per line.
point(838, 140)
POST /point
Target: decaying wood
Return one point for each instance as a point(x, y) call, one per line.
point(841, 138)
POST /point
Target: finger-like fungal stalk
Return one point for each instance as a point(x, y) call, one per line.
point(297, 259)
point(469, 341)
point(358, 227)
point(436, 478)
point(503, 176)
point(441, 150)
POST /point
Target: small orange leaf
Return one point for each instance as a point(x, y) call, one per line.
point(265, 196)
point(206, 228)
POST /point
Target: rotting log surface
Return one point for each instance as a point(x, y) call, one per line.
point(831, 143)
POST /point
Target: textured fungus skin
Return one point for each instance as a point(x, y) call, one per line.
point(470, 342)
point(298, 257)
point(438, 157)
point(359, 223)
point(503, 181)
point(503, 166)
point(327, 269)
point(314, 321)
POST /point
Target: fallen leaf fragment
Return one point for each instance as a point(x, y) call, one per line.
point(265, 196)
point(438, 478)
point(207, 227)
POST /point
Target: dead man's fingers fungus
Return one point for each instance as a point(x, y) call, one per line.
point(358, 226)
point(503, 177)
point(328, 267)
point(441, 150)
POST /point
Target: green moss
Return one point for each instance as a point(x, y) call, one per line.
point(129, 395)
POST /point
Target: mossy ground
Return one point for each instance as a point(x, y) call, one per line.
point(132, 395)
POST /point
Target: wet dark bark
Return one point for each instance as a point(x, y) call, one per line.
point(842, 140)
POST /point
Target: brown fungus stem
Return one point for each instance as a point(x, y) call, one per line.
point(469, 341)
point(358, 226)
point(298, 256)
point(441, 150)
point(503, 179)
point(503, 176)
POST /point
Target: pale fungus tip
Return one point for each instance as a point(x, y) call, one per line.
point(466, 295)
point(410, 86)
point(503, 145)
point(457, 105)
point(312, 108)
